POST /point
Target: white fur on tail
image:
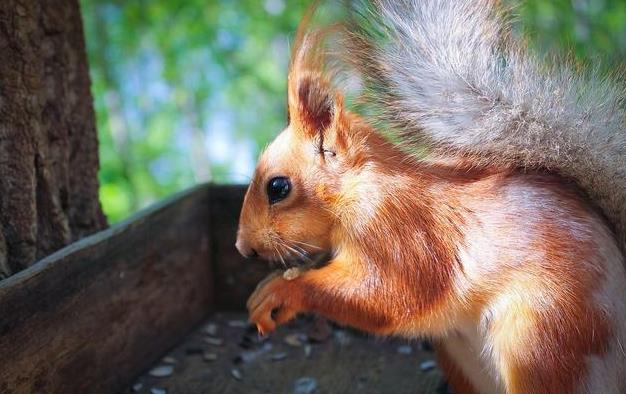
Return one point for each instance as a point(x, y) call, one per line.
point(449, 74)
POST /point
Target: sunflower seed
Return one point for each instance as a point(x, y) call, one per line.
point(305, 386)
point(237, 324)
point(293, 340)
point(235, 373)
point(211, 329)
point(208, 356)
point(214, 341)
point(428, 365)
point(342, 338)
point(279, 356)
point(162, 371)
point(405, 349)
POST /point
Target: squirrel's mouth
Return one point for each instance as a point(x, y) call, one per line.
point(301, 260)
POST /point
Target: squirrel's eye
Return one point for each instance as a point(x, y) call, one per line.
point(278, 189)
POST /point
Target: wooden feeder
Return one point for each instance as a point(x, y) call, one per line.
point(94, 316)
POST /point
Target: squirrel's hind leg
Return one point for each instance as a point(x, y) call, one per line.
point(547, 349)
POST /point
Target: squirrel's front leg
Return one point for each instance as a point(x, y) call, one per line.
point(341, 291)
point(275, 301)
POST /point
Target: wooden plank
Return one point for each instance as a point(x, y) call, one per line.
point(91, 317)
point(236, 277)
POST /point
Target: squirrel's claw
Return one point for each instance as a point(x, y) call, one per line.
point(272, 304)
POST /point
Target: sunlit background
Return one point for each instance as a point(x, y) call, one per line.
point(190, 91)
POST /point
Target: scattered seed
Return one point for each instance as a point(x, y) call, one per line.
point(249, 356)
point(293, 340)
point(162, 371)
point(308, 349)
point(158, 390)
point(208, 356)
point(237, 324)
point(136, 387)
point(428, 365)
point(342, 338)
point(214, 341)
point(279, 356)
point(169, 360)
point(211, 329)
point(235, 373)
point(405, 349)
point(305, 386)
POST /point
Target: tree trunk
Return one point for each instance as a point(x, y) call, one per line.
point(48, 141)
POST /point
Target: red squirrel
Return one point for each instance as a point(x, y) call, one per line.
point(504, 245)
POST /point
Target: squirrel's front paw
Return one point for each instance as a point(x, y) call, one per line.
point(274, 302)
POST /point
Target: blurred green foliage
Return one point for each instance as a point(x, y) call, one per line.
point(185, 91)
point(592, 30)
point(189, 91)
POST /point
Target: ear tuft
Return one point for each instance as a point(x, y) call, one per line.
point(315, 104)
point(311, 96)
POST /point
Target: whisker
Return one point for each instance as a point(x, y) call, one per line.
point(277, 257)
point(280, 255)
point(304, 256)
point(305, 244)
point(275, 240)
point(301, 249)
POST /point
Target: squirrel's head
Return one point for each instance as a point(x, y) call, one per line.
point(288, 214)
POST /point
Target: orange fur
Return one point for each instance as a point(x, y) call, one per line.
point(430, 247)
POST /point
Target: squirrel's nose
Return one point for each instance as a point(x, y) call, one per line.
point(245, 250)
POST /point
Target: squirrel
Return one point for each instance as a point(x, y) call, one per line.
point(504, 244)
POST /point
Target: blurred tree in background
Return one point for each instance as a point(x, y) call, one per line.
point(189, 91)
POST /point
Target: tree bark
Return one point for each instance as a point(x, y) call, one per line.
point(48, 140)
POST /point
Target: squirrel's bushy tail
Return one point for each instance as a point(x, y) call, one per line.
point(449, 74)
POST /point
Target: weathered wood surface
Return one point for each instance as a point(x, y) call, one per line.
point(236, 277)
point(94, 315)
point(347, 362)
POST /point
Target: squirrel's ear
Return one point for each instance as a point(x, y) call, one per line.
point(312, 107)
point(314, 104)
